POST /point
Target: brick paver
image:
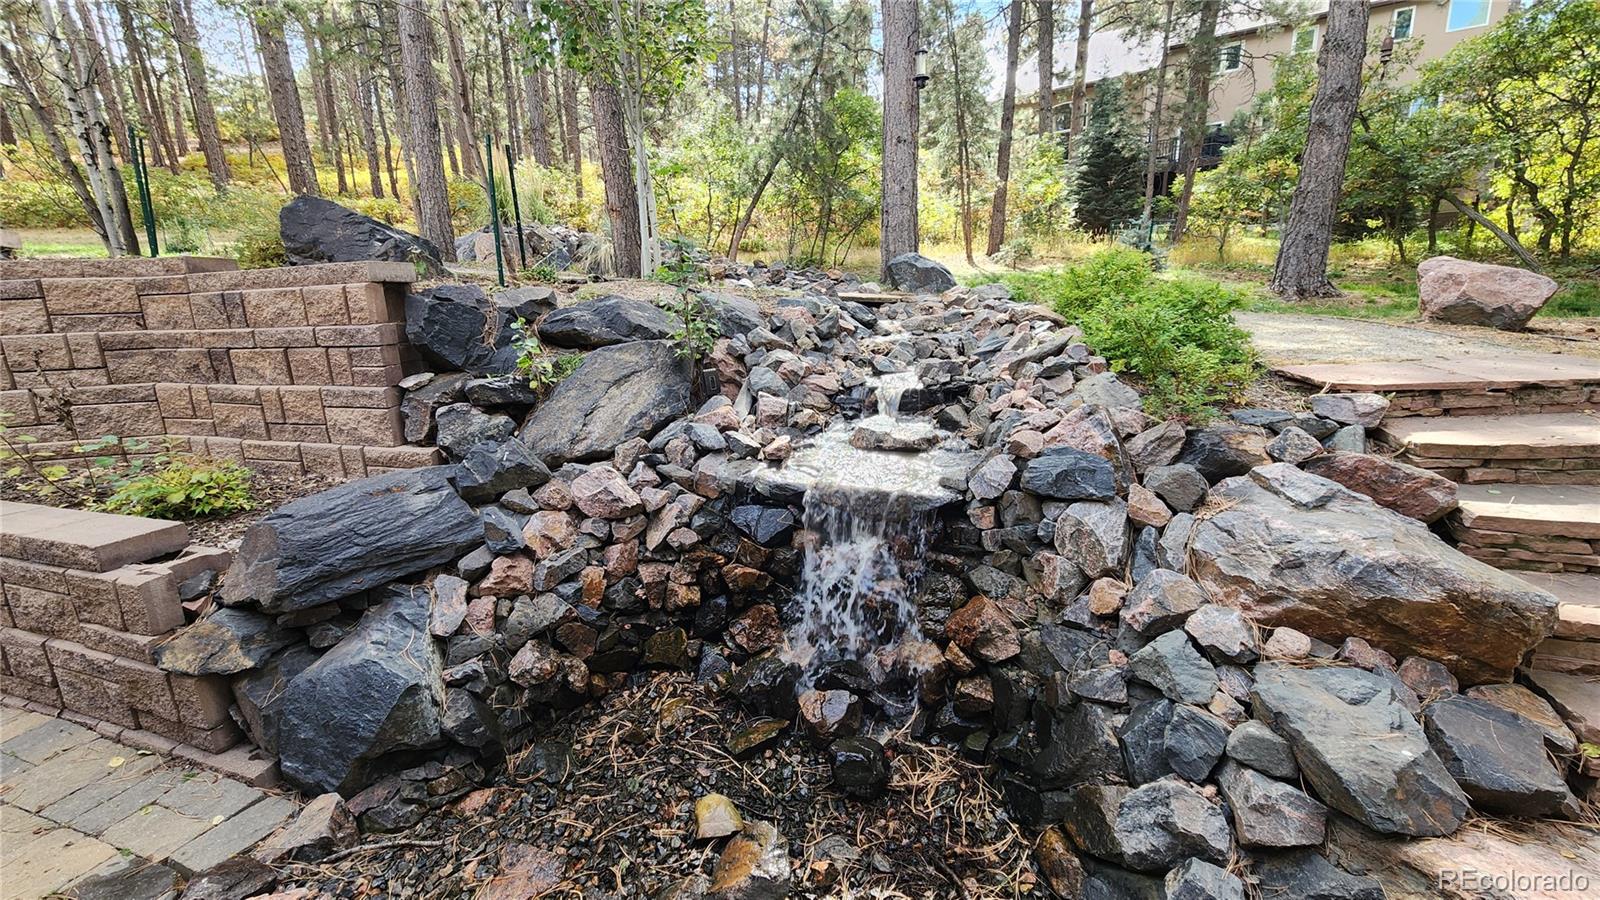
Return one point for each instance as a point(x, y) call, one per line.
point(74, 805)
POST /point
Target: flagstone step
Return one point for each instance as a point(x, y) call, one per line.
point(1546, 528)
point(1467, 386)
point(1541, 449)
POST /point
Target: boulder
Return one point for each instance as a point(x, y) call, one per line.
point(1268, 813)
point(734, 314)
point(1408, 490)
point(1359, 748)
point(419, 405)
point(1291, 549)
point(1496, 756)
point(1062, 473)
point(859, 766)
point(1171, 665)
point(1094, 534)
point(1260, 748)
point(1472, 293)
point(1365, 410)
point(1151, 828)
point(1197, 879)
point(235, 878)
point(223, 643)
point(1225, 449)
point(604, 321)
point(377, 692)
point(1307, 875)
point(315, 230)
point(1161, 738)
point(463, 426)
point(351, 538)
point(917, 274)
point(457, 328)
point(618, 393)
point(489, 470)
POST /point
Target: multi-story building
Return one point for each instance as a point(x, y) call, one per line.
point(1248, 53)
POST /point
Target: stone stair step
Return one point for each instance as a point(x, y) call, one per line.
point(94, 542)
point(1545, 448)
point(1563, 511)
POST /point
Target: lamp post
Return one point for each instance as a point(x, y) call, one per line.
point(921, 71)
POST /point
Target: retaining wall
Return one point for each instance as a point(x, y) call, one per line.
point(289, 369)
point(84, 599)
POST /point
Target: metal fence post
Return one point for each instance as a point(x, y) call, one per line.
point(494, 208)
point(141, 178)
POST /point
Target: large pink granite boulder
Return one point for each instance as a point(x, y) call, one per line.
point(1471, 293)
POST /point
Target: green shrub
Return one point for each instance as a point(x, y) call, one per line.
point(185, 487)
point(1176, 335)
point(541, 368)
point(259, 246)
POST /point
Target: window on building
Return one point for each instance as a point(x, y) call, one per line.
point(1305, 39)
point(1400, 25)
point(1230, 57)
point(1467, 14)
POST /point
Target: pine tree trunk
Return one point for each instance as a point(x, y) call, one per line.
point(194, 74)
point(364, 97)
point(1047, 66)
point(1080, 70)
point(389, 17)
point(143, 86)
point(1008, 118)
point(513, 99)
point(422, 98)
point(177, 90)
point(536, 89)
point(1302, 266)
point(461, 96)
point(574, 139)
point(1153, 138)
point(617, 171)
point(268, 20)
point(963, 144)
point(1196, 105)
point(898, 223)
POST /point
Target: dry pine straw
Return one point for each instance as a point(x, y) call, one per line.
point(623, 817)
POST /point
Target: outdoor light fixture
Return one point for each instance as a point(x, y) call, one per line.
point(921, 78)
point(1386, 50)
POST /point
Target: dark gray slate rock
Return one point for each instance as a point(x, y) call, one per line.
point(1160, 738)
point(1260, 748)
point(351, 538)
point(1496, 756)
point(235, 878)
point(462, 426)
point(604, 321)
point(223, 643)
point(130, 878)
point(418, 407)
point(1062, 473)
point(1165, 822)
point(315, 230)
point(527, 303)
point(1268, 813)
point(1196, 879)
point(1180, 485)
point(766, 525)
point(917, 274)
point(618, 393)
point(1360, 748)
point(1346, 567)
point(458, 328)
point(1307, 875)
point(1160, 602)
point(1094, 534)
point(1172, 665)
point(377, 692)
point(1224, 450)
point(859, 766)
point(734, 314)
point(258, 694)
point(1079, 744)
point(490, 470)
point(1223, 634)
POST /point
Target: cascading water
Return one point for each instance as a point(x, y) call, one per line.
point(868, 516)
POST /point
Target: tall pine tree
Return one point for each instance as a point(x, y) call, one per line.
point(1108, 178)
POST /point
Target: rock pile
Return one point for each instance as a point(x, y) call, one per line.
point(1157, 636)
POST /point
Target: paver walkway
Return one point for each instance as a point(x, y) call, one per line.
point(74, 804)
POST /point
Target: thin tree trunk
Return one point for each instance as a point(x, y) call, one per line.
point(1302, 265)
point(194, 74)
point(98, 64)
point(1154, 140)
point(775, 157)
point(536, 88)
point(389, 17)
point(963, 148)
point(513, 102)
point(461, 96)
point(154, 124)
point(422, 97)
point(328, 139)
point(1047, 66)
point(116, 103)
point(52, 136)
point(898, 223)
point(1008, 116)
point(177, 89)
point(569, 102)
point(1080, 70)
point(363, 99)
point(268, 21)
point(616, 169)
point(1505, 237)
point(733, 65)
point(1196, 104)
point(761, 61)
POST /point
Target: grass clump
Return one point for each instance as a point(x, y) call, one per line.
point(1176, 334)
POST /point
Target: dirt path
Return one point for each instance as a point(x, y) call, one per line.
point(1286, 338)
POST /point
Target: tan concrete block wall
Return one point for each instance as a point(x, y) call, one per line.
point(296, 366)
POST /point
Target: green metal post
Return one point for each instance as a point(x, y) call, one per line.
point(516, 206)
point(141, 178)
point(494, 208)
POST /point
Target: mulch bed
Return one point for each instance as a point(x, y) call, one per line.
point(621, 822)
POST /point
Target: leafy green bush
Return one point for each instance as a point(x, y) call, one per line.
point(259, 246)
point(541, 368)
point(185, 487)
point(1176, 334)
